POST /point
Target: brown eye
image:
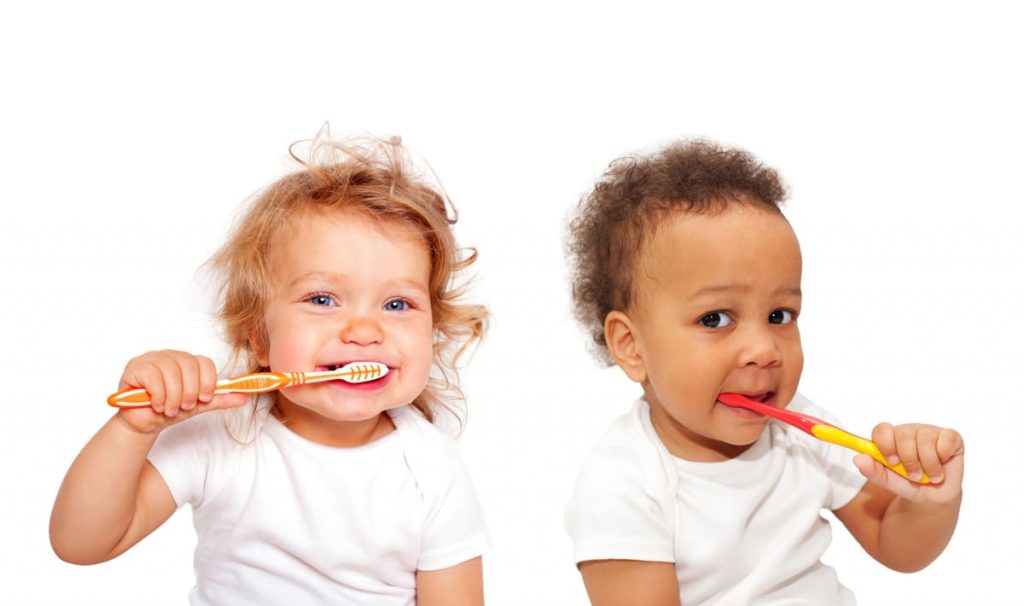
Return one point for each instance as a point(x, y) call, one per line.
point(781, 316)
point(716, 319)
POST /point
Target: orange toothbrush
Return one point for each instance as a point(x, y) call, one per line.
point(261, 382)
point(826, 432)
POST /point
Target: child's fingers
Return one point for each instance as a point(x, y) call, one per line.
point(207, 378)
point(927, 451)
point(906, 449)
point(145, 372)
point(149, 377)
point(191, 379)
point(886, 478)
point(949, 444)
point(171, 370)
point(884, 436)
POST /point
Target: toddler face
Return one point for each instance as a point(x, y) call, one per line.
point(717, 299)
point(346, 288)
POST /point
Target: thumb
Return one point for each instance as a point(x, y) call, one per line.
point(881, 475)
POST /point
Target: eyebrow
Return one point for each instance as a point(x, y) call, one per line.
point(725, 288)
point(336, 277)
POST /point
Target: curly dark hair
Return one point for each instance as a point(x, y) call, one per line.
point(633, 196)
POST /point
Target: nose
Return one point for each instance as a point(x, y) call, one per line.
point(760, 348)
point(362, 329)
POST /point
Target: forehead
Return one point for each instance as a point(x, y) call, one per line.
point(741, 245)
point(342, 225)
point(353, 237)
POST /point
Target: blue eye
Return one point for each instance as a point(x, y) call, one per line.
point(396, 305)
point(780, 316)
point(321, 300)
point(716, 319)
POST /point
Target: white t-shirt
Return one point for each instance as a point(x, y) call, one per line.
point(746, 531)
point(283, 520)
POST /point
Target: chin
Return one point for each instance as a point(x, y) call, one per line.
point(746, 438)
point(354, 415)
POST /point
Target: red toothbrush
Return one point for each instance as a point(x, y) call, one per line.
point(816, 427)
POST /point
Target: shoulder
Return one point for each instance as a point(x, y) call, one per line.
point(453, 525)
point(622, 506)
point(416, 432)
point(431, 455)
point(189, 455)
point(627, 450)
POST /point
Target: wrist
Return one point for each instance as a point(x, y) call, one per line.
point(925, 505)
point(149, 433)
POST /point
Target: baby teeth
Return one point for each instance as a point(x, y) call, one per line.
point(361, 372)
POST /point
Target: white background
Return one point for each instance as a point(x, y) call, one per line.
point(132, 133)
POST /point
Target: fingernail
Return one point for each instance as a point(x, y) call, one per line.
point(205, 399)
point(916, 476)
point(159, 408)
point(188, 406)
point(893, 459)
point(936, 479)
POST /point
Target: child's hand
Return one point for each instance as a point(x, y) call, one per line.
point(179, 386)
point(936, 451)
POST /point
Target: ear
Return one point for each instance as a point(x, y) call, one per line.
point(258, 345)
point(621, 337)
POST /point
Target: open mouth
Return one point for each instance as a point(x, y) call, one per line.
point(766, 398)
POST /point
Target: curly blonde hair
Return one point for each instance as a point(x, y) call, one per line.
point(615, 220)
point(367, 175)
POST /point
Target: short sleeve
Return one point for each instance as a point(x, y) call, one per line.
point(837, 462)
point(621, 507)
point(453, 527)
point(181, 456)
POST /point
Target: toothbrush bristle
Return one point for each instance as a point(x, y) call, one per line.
point(361, 372)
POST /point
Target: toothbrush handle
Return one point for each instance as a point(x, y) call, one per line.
point(832, 434)
point(257, 382)
point(822, 430)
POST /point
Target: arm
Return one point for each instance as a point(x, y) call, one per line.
point(459, 585)
point(905, 525)
point(111, 496)
point(628, 582)
point(110, 499)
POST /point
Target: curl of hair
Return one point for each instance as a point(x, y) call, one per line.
point(614, 221)
point(370, 176)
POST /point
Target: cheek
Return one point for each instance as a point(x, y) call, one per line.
point(418, 350)
point(795, 360)
point(288, 345)
point(421, 346)
point(685, 365)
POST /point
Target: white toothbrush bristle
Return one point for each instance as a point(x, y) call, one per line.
point(361, 372)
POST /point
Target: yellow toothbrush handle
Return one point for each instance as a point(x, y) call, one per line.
point(834, 435)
